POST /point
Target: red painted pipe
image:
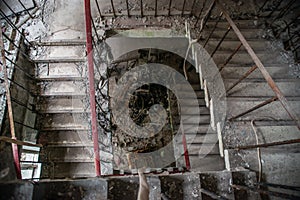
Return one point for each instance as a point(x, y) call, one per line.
point(186, 152)
point(16, 160)
point(89, 49)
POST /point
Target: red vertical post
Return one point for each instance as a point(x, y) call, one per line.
point(89, 49)
point(186, 153)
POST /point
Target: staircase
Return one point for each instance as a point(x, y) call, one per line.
point(206, 185)
point(63, 107)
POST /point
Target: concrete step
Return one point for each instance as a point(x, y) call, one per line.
point(208, 163)
point(250, 88)
point(68, 170)
point(201, 129)
point(192, 111)
point(62, 105)
point(204, 185)
point(199, 139)
point(67, 154)
point(274, 109)
point(67, 137)
point(230, 45)
point(127, 187)
point(244, 58)
point(217, 183)
point(59, 52)
point(276, 72)
point(203, 149)
point(192, 119)
point(65, 120)
point(56, 70)
point(192, 103)
point(61, 42)
point(185, 186)
point(63, 88)
point(266, 133)
point(249, 34)
point(241, 24)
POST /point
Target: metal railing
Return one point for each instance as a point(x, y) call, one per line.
point(257, 64)
point(10, 49)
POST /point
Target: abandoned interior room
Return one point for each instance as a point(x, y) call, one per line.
point(196, 99)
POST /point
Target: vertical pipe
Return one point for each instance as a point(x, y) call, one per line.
point(98, 8)
point(127, 7)
point(170, 4)
point(10, 111)
point(89, 49)
point(142, 12)
point(183, 7)
point(186, 152)
point(113, 7)
point(155, 14)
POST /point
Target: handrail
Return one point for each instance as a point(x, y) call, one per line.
point(89, 49)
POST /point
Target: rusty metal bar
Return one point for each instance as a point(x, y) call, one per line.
point(127, 7)
point(98, 8)
point(183, 7)
point(255, 107)
point(200, 13)
point(142, 11)
point(20, 68)
point(265, 192)
point(22, 104)
point(155, 13)
point(113, 7)
point(231, 56)
point(14, 27)
point(220, 42)
point(193, 6)
point(294, 141)
point(264, 72)
point(95, 29)
point(89, 49)
point(25, 8)
point(170, 4)
point(252, 69)
point(10, 111)
point(212, 31)
point(15, 45)
point(22, 124)
point(9, 7)
point(20, 86)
